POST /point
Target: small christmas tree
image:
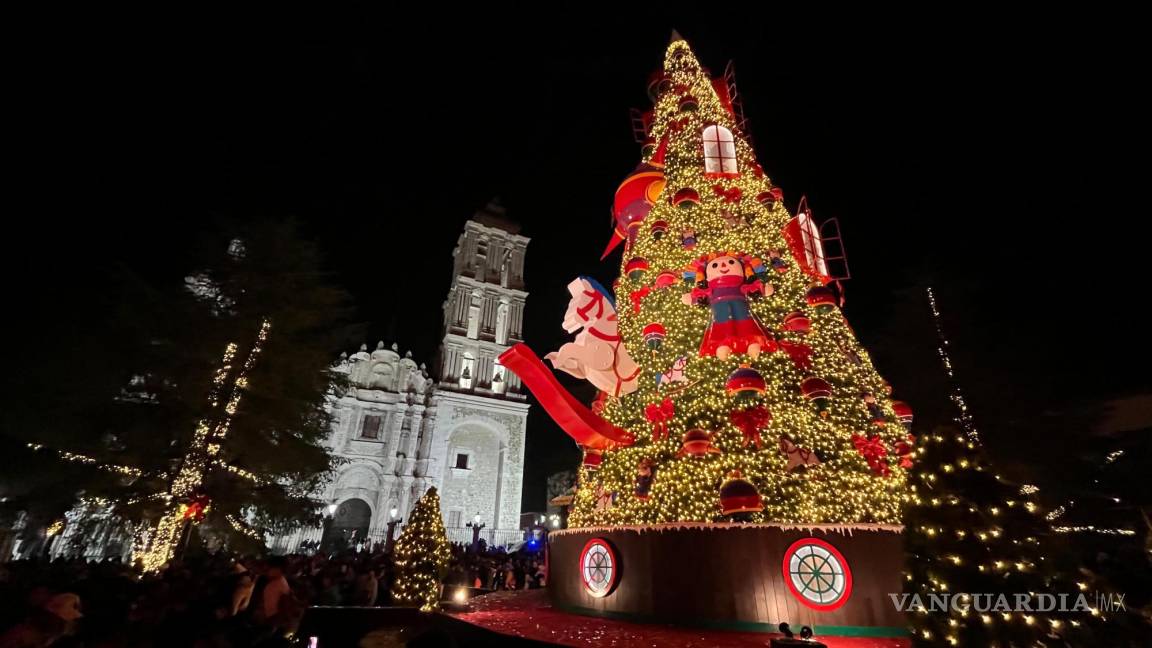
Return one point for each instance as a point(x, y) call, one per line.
point(421, 556)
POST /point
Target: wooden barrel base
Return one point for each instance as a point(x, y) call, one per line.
point(835, 578)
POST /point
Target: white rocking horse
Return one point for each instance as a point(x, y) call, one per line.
point(597, 354)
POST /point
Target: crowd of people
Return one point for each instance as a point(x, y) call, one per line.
point(216, 600)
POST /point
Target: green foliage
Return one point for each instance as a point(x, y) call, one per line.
point(129, 387)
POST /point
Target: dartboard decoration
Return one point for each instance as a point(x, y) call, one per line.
point(599, 567)
point(817, 574)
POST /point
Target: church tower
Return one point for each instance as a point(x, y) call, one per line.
point(481, 411)
point(484, 312)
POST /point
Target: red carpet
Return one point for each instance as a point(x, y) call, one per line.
point(529, 614)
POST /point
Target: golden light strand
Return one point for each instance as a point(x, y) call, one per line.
point(205, 445)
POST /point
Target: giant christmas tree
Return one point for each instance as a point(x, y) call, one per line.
point(739, 389)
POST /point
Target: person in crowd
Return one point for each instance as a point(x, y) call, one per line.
point(48, 621)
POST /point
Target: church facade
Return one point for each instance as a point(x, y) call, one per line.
point(399, 431)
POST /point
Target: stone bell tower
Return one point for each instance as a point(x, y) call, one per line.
point(481, 412)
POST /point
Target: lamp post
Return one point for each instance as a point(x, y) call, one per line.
point(476, 525)
point(326, 538)
point(392, 522)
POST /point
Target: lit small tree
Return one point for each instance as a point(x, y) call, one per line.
point(421, 556)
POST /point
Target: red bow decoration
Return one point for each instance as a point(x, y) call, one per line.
point(750, 421)
point(677, 126)
point(800, 353)
point(904, 451)
point(659, 415)
point(196, 509)
point(637, 296)
point(729, 195)
point(874, 453)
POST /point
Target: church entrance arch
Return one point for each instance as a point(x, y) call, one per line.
point(349, 525)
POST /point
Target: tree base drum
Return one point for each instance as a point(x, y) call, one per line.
point(835, 578)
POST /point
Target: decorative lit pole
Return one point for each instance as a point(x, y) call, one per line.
point(183, 498)
point(392, 522)
point(476, 525)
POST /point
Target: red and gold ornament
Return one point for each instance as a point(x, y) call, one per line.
point(659, 228)
point(745, 383)
point(697, 443)
point(635, 268)
point(685, 198)
point(738, 495)
point(654, 334)
point(903, 412)
point(798, 322)
point(821, 298)
point(818, 392)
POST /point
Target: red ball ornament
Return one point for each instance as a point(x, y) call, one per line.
point(635, 197)
point(648, 147)
point(657, 85)
point(654, 335)
point(697, 443)
point(686, 197)
point(797, 322)
point(688, 103)
point(745, 383)
point(635, 268)
point(821, 298)
point(818, 391)
point(666, 278)
point(659, 228)
point(771, 197)
point(738, 495)
point(903, 411)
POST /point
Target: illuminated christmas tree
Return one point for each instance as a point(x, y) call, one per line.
point(974, 535)
point(421, 556)
point(733, 385)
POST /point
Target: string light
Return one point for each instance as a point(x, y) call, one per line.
point(200, 456)
point(1093, 529)
point(91, 461)
point(243, 528)
point(963, 417)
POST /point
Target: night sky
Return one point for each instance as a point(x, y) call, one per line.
point(994, 161)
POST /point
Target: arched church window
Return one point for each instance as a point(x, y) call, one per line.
point(719, 151)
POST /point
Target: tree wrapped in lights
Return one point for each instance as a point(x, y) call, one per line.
point(971, 532)
point(205, 402)
point(421, 556)
point(761, 374)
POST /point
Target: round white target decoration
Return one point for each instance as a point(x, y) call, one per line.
point(599, 567)
point(817, 574)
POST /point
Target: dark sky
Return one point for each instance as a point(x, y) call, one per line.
point(1003, 162)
